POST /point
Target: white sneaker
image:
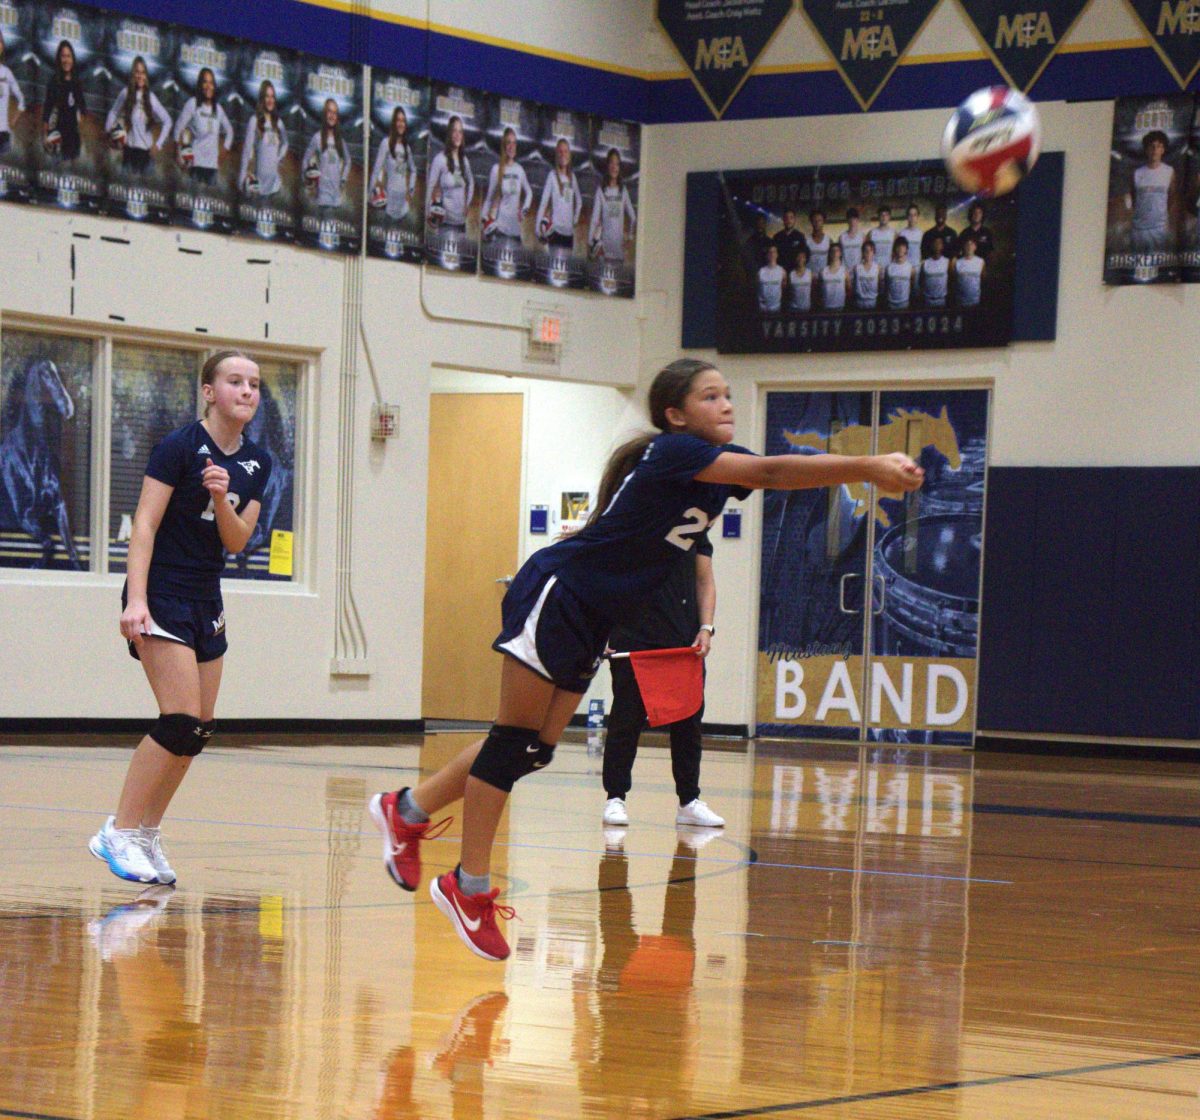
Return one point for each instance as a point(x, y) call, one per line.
point(697, 813)
point(614, 812)
point(152, 838)
point(124, 852)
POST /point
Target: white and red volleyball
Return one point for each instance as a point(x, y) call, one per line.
point(992, 140)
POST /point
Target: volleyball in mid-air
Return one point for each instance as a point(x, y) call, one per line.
point(992, 140)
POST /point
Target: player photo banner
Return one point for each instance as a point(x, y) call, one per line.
point(399, 136)
point(1174, 29)
point(19, 95)
point(1021, 41)
point(457, 158)
point(1149, 234)
point(564, 187)
point(616, 158)
point(507, 209)
point(720, 41)
point(68, 164)
point(209, 109)
point(268, 179)
point(139, 60)
point(861, 257)
point(867, 38)
point(331, 167)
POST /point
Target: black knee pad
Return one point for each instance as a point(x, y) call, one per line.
point(179, 733)
point(508, 754)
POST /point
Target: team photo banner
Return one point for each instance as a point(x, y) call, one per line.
point(1019, 41)
point(720, 41)
point(861, 257)
point(396, 185)
point(868, 38)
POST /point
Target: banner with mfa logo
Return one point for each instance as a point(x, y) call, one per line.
point(721, 40)
point(1021, 38)
point(1174, 28)
point(868, 38)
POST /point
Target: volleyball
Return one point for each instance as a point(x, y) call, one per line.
point(992, 140)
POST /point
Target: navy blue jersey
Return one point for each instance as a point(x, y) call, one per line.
point(656, 515)
point(188, 554)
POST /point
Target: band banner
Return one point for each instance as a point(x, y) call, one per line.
point(720, 41)
point(1174, 30)
point(1019, 39)
point(867, 39)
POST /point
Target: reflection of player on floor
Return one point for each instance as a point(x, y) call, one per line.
point(200, 499)
point(678, 613)
point(771, 278)
point(657, 493)
point(1152, 198)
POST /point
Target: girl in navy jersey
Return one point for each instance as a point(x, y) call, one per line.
point(200, 499)
point(657, 494)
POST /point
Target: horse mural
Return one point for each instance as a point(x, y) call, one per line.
point(267, 429)
point(907, 430)
point(31, 497)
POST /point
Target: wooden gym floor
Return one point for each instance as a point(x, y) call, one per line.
point(878, 933)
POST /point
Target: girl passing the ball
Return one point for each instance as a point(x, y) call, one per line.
point(200, 499)
point(658, 492)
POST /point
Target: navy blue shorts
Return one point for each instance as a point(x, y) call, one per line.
point(198, 624)
point(550, 630)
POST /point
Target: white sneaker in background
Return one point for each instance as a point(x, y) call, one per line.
point(124, 851)
point(614, 812)
point(152, 839)
point(697, 813)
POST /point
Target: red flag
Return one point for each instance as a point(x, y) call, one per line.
point(671, 682)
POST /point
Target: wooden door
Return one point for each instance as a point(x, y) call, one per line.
point(472, 540)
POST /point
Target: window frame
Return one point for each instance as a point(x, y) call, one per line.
point(103, 337)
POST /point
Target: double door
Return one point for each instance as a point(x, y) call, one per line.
point(869, 601)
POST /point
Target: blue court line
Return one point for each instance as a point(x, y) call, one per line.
point(555, 848)
point(942, 1087)
point(1178, 820)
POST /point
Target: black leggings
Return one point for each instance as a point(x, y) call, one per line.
point(625, 726)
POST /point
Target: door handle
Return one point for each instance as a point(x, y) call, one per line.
point(882, 593)
point(506, 580)
point(842, 593)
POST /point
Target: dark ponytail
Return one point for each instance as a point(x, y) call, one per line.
point(668, 390)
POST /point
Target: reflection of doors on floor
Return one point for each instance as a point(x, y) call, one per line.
point(472, 540)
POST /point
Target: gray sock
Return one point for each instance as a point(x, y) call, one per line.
point(410, 811)
point(473, 884)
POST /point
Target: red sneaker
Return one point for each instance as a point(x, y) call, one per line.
point(401, 840)
point(474, 916)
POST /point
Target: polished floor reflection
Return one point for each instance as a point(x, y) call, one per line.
point(883, 932)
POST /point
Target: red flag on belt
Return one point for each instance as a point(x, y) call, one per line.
point(671, 682)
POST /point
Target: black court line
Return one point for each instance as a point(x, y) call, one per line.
point(945, 1086)
point(34, 1115)
point(1178, 820)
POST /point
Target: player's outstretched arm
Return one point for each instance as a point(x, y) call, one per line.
point(893, 473)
